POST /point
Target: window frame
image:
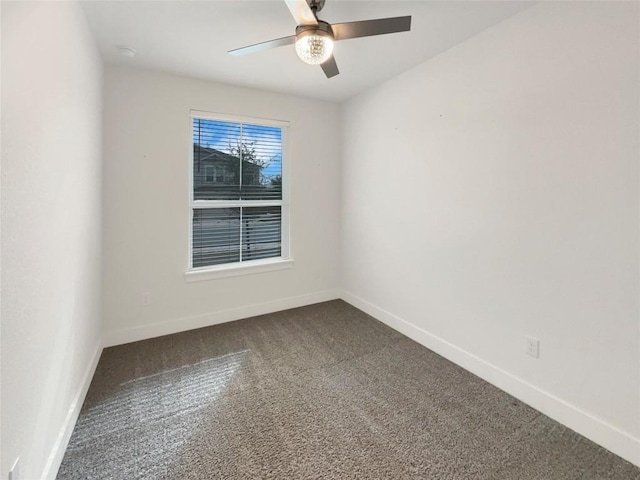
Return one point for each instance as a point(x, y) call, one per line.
point(248, 266)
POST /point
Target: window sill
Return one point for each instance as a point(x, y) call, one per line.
point(248, 268)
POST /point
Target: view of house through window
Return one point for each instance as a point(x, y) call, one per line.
point(237, 197)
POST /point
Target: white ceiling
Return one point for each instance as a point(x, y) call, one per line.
point(192, 38)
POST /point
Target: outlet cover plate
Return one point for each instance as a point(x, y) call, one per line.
point(146, 298)
point(533, 347)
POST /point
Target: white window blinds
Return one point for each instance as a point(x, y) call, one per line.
point(238, 203)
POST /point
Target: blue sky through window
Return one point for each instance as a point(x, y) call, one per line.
point(224, 136)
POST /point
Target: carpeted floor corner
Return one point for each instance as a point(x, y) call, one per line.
point(319, 392)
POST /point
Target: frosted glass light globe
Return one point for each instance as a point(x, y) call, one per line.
point(314, 48)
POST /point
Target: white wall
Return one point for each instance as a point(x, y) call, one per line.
point(51, 269)
point(492, 193)
point(146, 212)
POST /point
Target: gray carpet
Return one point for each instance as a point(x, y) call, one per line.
point(323, 391)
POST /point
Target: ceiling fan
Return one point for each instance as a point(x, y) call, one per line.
point(314, 38)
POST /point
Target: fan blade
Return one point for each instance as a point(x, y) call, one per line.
point(301, 12)
point(330, 68)
point(279, 42)
point(367, 28)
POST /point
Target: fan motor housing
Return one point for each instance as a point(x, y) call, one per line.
point(322, 28)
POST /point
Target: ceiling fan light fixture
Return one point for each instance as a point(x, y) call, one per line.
point(314, 46)
point(314, 38)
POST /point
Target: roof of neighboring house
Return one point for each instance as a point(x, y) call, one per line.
point(211, 155)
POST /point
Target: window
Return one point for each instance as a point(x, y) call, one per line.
point(239, 205)
point(209, 173)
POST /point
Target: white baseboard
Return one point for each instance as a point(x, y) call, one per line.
point(128, 335)
point(60, 446)
point(586, 424)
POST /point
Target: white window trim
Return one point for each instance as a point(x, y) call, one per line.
point(235, 269)
point(252, 266)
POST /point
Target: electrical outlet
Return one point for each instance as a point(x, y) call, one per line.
point(146, 298)
point(14, 473)
point(533, 347)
